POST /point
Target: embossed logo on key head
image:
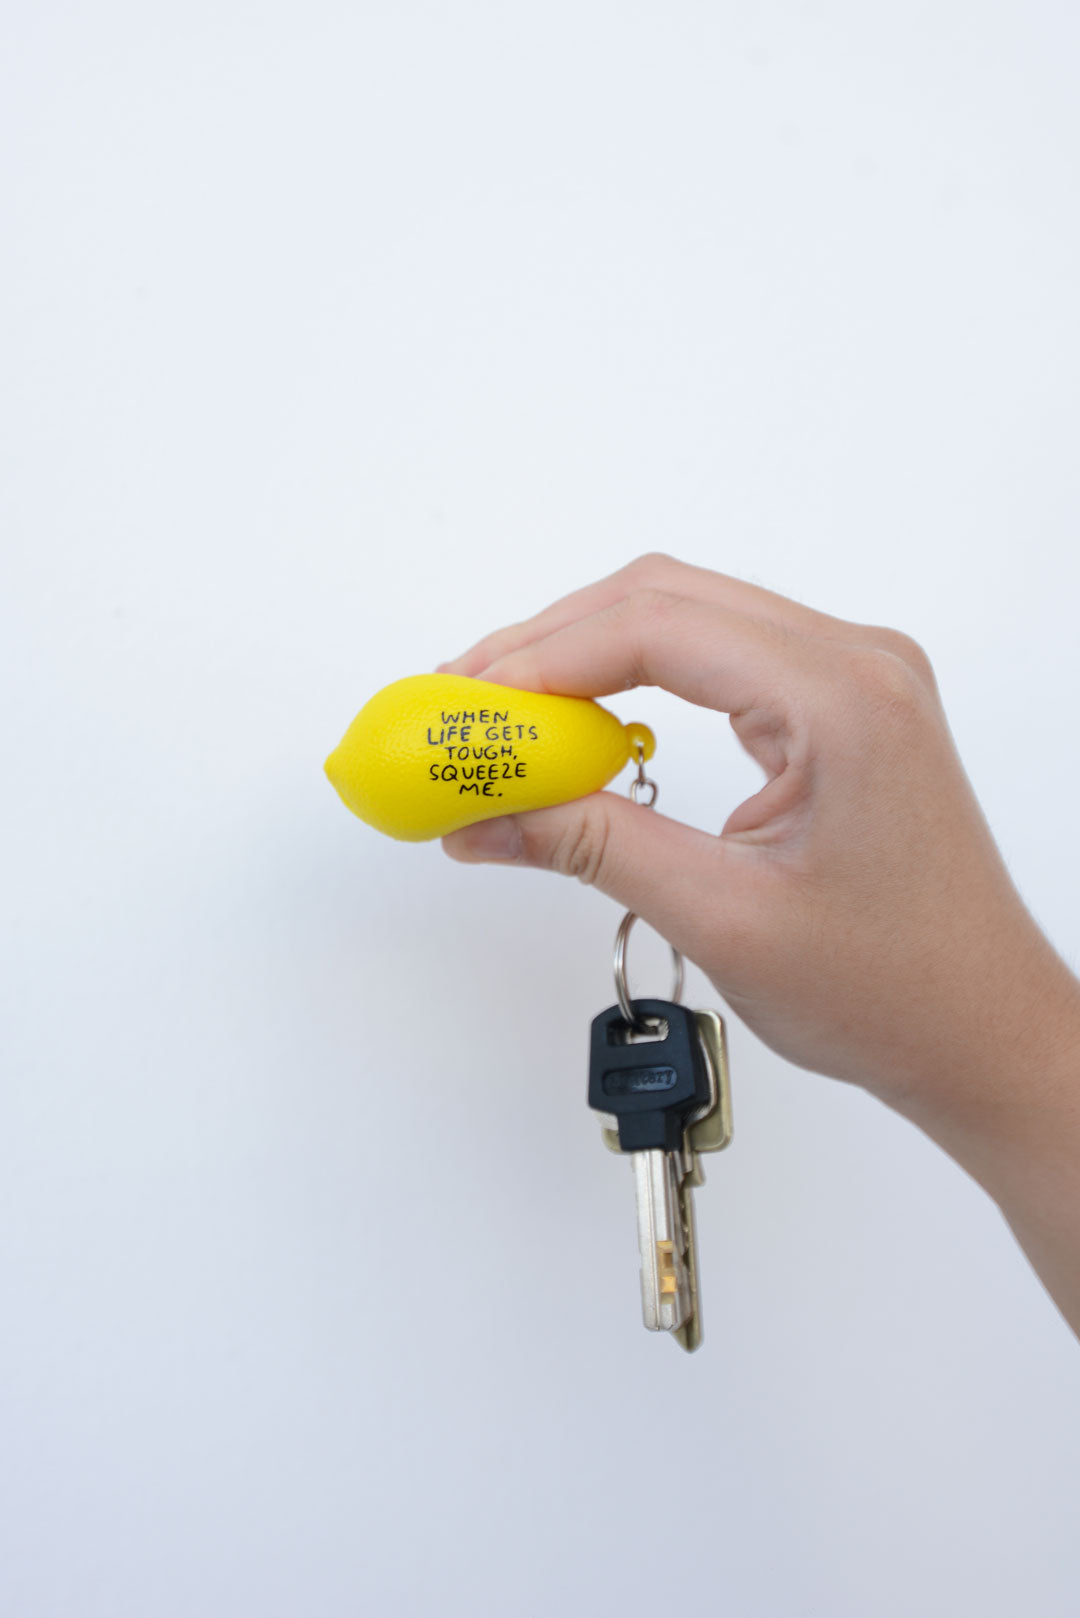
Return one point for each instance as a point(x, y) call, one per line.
point(634, 1081)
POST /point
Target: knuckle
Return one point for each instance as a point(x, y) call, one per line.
point(582, 849)
point(650, 568)
point(889, 681)
point(908, 650)
point(644, 615)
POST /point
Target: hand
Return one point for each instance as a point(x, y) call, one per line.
point(855, 912)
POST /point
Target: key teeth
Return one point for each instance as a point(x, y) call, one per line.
point(689, 1334)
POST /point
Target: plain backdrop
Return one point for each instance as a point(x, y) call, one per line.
point(334, 336)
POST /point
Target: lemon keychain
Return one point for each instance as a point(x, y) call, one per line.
point(434, 752)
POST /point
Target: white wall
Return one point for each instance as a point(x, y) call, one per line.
point(335, 336)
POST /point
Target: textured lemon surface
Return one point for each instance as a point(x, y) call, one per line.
point(437, 751)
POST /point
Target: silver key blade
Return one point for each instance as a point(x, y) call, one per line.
point(666, 1296)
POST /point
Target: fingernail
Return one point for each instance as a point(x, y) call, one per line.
point(498, 839)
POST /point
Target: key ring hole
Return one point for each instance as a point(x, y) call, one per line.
point(639, 1025)
point(647, 1031)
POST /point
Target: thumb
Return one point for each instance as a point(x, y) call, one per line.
point(685, 883)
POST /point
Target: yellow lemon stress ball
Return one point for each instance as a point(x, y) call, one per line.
point(438, 751)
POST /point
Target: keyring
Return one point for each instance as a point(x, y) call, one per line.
point(621, 991)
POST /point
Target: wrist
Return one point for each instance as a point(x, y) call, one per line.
point(1008, 1108)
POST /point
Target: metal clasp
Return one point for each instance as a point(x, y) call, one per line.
point(641, 785)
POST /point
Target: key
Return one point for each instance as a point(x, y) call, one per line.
point(709, 1133)
point(656, 1080)
point(713, 1131)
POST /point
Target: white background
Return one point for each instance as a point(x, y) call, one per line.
point(333, 337)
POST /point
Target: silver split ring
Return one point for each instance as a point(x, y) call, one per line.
point(621, 990)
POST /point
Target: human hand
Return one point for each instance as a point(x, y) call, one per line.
point(855, 912)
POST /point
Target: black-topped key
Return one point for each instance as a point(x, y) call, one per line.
point(651, 1085)
point(653, 1079)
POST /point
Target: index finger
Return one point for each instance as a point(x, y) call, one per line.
point(652, 572)
point(706, 653)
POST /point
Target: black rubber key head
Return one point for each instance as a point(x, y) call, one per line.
point(653, 1087)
